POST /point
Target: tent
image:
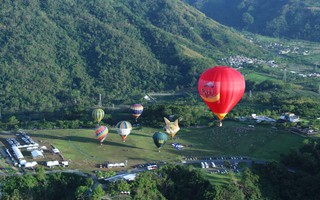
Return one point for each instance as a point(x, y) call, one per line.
point(36, 154)
point(17, 152)
point(30, 164)
point(52, 163)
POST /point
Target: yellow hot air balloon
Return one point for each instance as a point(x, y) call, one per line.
point(98, 115)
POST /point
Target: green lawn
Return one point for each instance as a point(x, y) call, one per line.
point(84, 151)
point(221, 179)
point(259, 77)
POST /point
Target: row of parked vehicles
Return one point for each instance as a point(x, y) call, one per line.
point(206, 165)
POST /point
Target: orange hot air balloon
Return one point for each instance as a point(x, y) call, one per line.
point(221, 88)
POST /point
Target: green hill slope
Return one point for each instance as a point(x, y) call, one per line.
point(59, 53)
point(288, 18)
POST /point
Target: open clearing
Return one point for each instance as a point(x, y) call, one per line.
point(83, 150)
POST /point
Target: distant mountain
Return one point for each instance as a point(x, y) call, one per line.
point(62, 53)
point(297, 19)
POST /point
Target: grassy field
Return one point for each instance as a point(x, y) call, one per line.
point(221, 179)
point(84, 151)
point(258, 77)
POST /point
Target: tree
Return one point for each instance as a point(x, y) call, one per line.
point(249, 182)
point(82, 192)
point(247, 19)
point(230, 192)
point(16, 195)
point(145, 187)
point(119, 186)
point(98, 192)
point(41, 176)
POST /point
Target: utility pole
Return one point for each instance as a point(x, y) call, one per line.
point(100, 101)
point(285, 75)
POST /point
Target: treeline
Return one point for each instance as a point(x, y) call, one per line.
point(288, 18)
point(295, 177)
point(181, 182)
point(48, 186)
point(57, 54)
point(267, 98)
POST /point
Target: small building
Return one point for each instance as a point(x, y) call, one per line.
point(259, 119)
point(290, 117)
point(55, 150)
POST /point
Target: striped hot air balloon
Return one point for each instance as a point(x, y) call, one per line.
point(101, 133)
point(124, 128)
point(97, 115)
point(136, 110)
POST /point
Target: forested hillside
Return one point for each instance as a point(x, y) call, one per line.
point(297, 19)
point(61, 53)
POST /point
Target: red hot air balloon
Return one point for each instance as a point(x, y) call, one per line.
point(221, 88)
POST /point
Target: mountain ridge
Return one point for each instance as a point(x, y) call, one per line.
point(57, 54)
point(293, 19)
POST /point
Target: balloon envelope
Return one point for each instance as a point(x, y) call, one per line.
point(159, 139)
point(221, 88)
point(97, 115)
point(136, 110)
point(101, 133)
point(171, 127)
point(124, 128)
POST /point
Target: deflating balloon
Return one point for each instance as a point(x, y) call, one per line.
point(97, 114)
point(221, 88)
point(124, 128)
point(101, 133)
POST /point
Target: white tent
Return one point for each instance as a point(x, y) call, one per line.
point(36, 154)
point(22, 162)
point(43, 148)
point(115, 165)
point(30, 164)
point(17, 152)
point(130, 177)
point(52, 163)
point(31, 148)
point(65, 163)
